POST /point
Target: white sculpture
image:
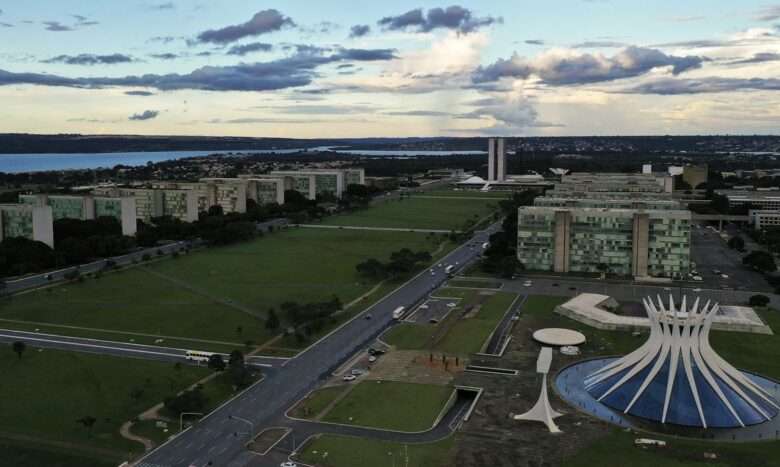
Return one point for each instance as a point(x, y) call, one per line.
point(542, 411)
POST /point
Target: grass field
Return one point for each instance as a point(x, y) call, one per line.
point(45, 393)
point(466, 194)
point(391, 405)
point(342, 451)
point(466, 335)
point(30, 454)
point(617, 450)
point(202, 295)
point(418, 213)
point(316, 402)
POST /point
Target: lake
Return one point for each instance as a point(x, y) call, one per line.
point(16, 163)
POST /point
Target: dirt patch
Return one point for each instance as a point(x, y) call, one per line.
point(416, 366)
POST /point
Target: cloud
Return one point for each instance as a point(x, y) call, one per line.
point(90, 59)
point(509, 114)
point(534, 41)
point(295, 71)
point(244, 49)
point(6, 25)
point(163, 6)
point(453, 17)
point(670, 87)
point(139, 93)
point(262, 22)
point(322, 27)
point(761, 57)
point(162, 39)
point(359, 30)
point(145, 115)
point(165, 56)
point(567, 67)
point(599, 45)
point(56, 26)
point(768, 13)
point(418, 113)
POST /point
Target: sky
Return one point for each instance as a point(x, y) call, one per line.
point(315, 69)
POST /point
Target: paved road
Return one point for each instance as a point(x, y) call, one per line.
point(39, 280)
point(504, 328)
point(218, 439)
point(118, 349)
point(710, 253)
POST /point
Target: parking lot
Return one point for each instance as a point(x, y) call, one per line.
point(714, 259)
point(432, 310)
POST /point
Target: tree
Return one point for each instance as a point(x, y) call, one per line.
point(188, 401)
point(239, 373)
point(509, 266)
point(737, 243)
point(272, 322)
point(758, 300)
point(19, 347)
point(216, 362)
point(88, 422)
point(760, 261)
point(215, 210)
point(372, 269)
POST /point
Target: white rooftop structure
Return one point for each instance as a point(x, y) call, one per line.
point(594, 310)
point(559, 337)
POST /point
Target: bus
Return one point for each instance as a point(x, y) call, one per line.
point(198, 356)
point(398, 312)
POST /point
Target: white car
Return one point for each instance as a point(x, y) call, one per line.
point(697, 290)
point(349, 378)
point(451, 305)
point(288, 464)
point(371, 359)
point(527, 284)
point(724, 276)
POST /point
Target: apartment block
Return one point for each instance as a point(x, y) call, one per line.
point(762, 218)
point(608, 203)
point(759, 200)
point(313, 182)
point(150, 203)
point(616, 182)
point(635, 242)
point(34, 222)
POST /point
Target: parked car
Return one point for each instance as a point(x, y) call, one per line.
point(349, 378)
point(358, 371)
point(372, 359)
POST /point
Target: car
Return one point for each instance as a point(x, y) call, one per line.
point(373, 351)
point(451, 305)
point(349, 378)
point(697, 278)
point(372, 359)
point(433, 321)
point(288, 464)
point(357, 371)
point(572, 288)
point(716, 272)
point(555, 284)
point(724, 276)
point(697, 290)
point(527, 284)
point(433, 272)
point(368, 316)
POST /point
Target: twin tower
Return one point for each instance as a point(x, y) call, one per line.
point(496, 160)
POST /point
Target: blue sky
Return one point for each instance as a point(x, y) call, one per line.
point(404, 68)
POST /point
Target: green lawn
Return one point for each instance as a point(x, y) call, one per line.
point(617, 450)
point(391, 405)
point(408, 336)
point(45, 393)
point(199, 301)
point(418, 213)
point(342, 451)
point(29, 454)
point(466, 194)
point(316, 402)
point(466, 335)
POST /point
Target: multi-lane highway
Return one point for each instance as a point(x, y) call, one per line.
point(118, 349)
point(219, 439)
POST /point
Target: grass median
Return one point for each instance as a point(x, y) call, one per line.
point(391, 405)
point(344, 451)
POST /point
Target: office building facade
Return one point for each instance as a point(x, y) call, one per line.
point(30, 221)
point(121, 208)
point(497, 167)
point(630, 242)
